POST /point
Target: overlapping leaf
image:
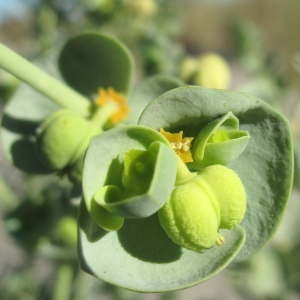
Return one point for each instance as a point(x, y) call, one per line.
point(266, 165)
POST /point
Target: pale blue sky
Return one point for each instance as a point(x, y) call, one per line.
point(11, 9)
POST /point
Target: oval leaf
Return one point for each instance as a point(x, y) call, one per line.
point(94, 60)
point(266, 165)
point(141, 257)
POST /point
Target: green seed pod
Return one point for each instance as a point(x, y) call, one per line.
point(213, 72)
point(191, 216)
point(62, 139)
point(214, 199)
point(229, 191)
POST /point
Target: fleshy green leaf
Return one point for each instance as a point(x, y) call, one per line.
point(94, 60)
point(141, 257)
point(104, 167)
point(266, 165)
point(155, 189)
point(148, 90)
point(219, 142)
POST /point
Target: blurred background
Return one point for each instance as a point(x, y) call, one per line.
point(244, 45)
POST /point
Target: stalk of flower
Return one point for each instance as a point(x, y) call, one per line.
point(111, 108)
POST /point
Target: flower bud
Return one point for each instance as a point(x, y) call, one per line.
point(62, 139)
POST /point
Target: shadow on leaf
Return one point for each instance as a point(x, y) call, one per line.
point(146, 240)
point(23, 127)
point(25, 158)
point(92, 231)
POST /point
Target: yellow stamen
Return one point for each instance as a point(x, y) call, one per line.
point(180, 146)
point(110, 95)
point(220, 239)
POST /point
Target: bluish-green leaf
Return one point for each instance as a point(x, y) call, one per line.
point(141, 257)
point(103, 169)
point(148, 90)
point(94, 60)
point(219, 142)
point(266, 165)
point(160, 187)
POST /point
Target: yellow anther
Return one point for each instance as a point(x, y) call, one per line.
point(220, 239)
point(109, 95)
point(180, 145)
point(185, 148)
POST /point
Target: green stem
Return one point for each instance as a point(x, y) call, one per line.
point(103, 113)
point(63, 283)
point(42, 82)
point(183, 173)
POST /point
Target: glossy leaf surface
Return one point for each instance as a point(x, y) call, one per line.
point(93, 60)
point(266, 165)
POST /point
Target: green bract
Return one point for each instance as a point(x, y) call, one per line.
point(129, 172)
point(219, 142)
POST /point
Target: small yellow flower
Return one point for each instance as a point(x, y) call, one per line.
point(179, 145)
point(109, 95)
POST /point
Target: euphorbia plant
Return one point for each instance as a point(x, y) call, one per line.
point(234, 168)
point(48, 130)
point(167, 203)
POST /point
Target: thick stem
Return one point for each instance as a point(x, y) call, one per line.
point(42, 82)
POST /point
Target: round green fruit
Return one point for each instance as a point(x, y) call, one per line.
point(62, 139)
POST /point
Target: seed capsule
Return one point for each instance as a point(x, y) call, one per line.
point(190, 218)
point(229, 192)
point(214, 199)
point(62, 139)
